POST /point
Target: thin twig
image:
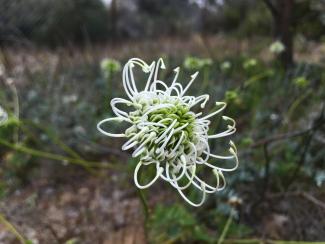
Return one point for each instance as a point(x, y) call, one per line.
point(280, 137)
point(320, 121)
point(53, 137)
point(313, 200)
point(37, 153)
point(317, 123)
point(305, 195)
point(301, 162)
point(12, 229)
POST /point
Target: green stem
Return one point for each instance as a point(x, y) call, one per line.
point(145, 208)
point(144, 204)
point(109, 86)
point(12, 229)
point(226, 228)
point(296, 103)
point(56, 157)
point(256, 78)
point(205, 82)
point(54, 138)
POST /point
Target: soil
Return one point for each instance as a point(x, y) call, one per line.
point(82, 208)
point(73, 206)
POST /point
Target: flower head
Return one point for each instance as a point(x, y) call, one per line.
point(250, 63)
point(110, 66)
point(277, 47)
point(193, 63)
point(226, 65)
point(301, 81)
point(166, 133)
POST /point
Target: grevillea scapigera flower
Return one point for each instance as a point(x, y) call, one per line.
point(164, 132)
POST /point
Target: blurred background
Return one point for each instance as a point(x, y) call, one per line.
point(61, 181)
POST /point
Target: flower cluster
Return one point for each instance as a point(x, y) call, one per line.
point(166, 133)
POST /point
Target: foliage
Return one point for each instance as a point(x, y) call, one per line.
point(167, 17)
point(309, 18)
point(66, 22)
point(178, 224)
point(53, 21)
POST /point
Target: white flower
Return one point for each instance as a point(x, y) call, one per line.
point(110, 66)
point(225, 65)
point(277, 47)
point(69, 98)
point(3, 116)
point(166, 133)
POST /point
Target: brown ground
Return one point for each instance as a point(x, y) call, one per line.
point(75, 205)
point(84, 208)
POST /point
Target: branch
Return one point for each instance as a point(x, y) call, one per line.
point(86, 164)
point(12, 229)
point(303, 194)
point(306, 144)
point(316, 124)
point(271, 7)
point(313, 199)
point(280, 137)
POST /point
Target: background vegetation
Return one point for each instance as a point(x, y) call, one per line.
point(63, 182)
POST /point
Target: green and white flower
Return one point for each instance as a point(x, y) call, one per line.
point(166, 133)
point(110, 66)
point(277, 47)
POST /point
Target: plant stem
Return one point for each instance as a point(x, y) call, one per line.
point(145, 208)
point(144, 204)
point(296, 104)
point(255, 78)
point(205, 82)
point(12, 229)
point(37, 153)
point(54, 138)
point(226, 228)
